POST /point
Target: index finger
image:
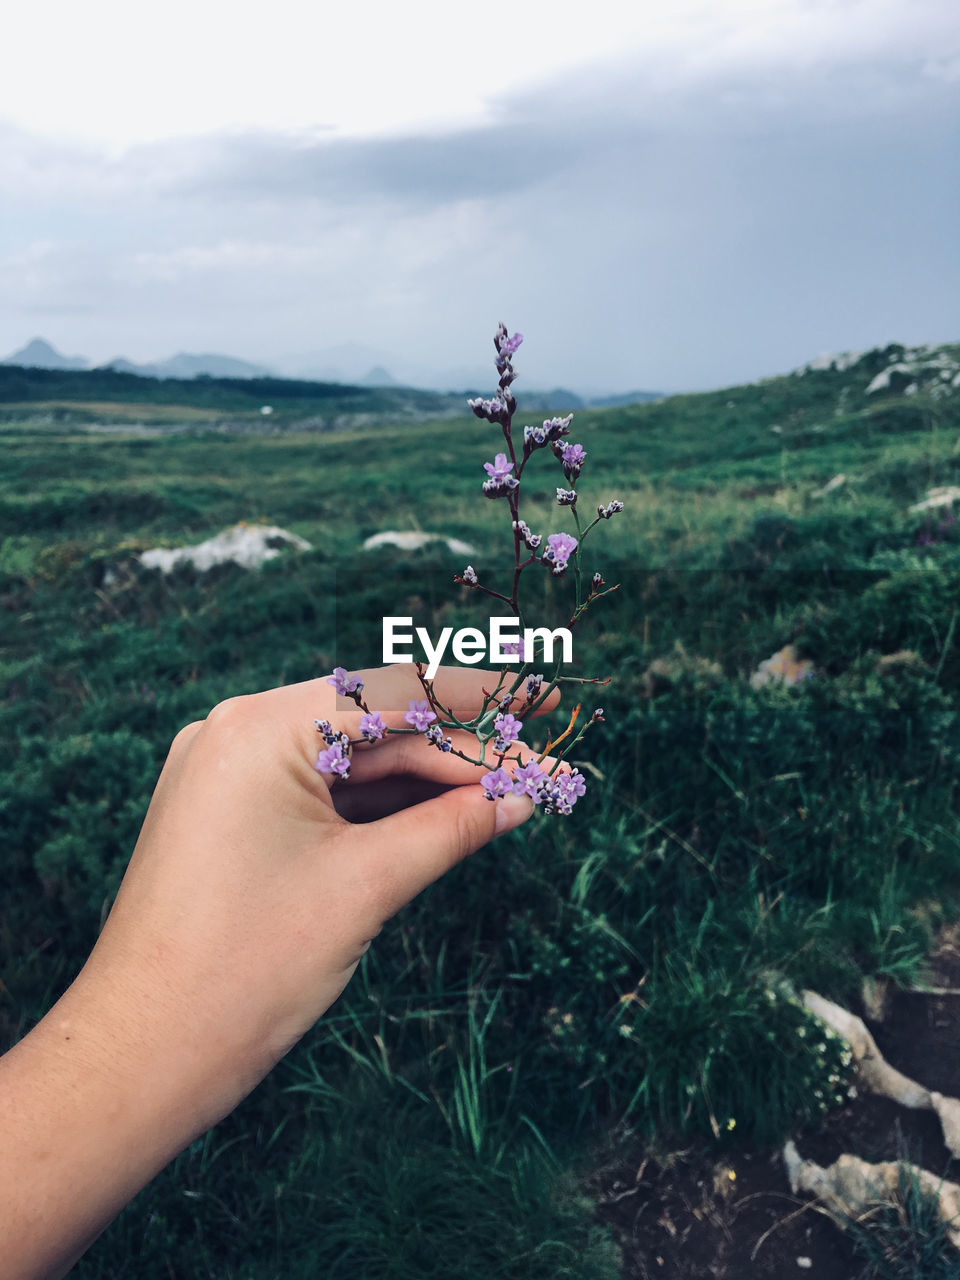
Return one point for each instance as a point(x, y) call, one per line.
point(459, 689)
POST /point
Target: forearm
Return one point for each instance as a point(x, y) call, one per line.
point(93, 1103)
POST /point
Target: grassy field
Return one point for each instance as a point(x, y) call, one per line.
point(631, 968)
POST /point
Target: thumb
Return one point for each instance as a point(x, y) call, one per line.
point(416, 846)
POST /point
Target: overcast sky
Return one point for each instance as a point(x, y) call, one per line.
point(666, 196)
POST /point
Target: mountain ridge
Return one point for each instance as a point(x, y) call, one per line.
point(41, 354)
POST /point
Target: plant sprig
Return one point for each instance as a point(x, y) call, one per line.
point(518, 694)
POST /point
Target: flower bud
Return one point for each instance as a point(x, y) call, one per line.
point(557, 427)
point(500, 488)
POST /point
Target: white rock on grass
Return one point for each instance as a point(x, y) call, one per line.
point(246, 545)
point(882, 381)
point(850, 1186)
point(943, 496)
point(927, 360)
point(878, 1076)
point(782, 667)
point(414, 539)
point(841, 361)
point(830, 486)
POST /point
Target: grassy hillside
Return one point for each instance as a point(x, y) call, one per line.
point(57, 396)
point(633, 965)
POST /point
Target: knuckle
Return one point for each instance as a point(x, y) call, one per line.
point(185, 736)
point(232, 713)
point(405, 761)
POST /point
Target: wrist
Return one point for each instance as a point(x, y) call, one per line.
point(98, 1097)
point(174, 1066)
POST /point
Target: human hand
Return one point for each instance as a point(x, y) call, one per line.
point(257, 884)
point(255, 888)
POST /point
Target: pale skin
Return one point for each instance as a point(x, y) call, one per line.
point(254, 890)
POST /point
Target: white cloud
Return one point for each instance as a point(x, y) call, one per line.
point(740, 185)
point(121, 74)
point(171, 265)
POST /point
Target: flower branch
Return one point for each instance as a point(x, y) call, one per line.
point(499, 722)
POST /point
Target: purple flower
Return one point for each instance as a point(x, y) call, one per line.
point(535, 437)
point(419, 715)
point(611, 509)
point(566, 497)
point(333, 760)
point(344, 683)
point(571, 785)
point(508, 729)
point(534, 685)
point(497, 783)
point(560, 793)
point(371, 726)
point(500, 480)
point(527, 781)
point(560, 547)
point(508, 346)
point(499, 469)
point(573, 457)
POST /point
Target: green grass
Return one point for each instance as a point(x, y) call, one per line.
point(905, 1238)
point(364, 1189)
point(636, 963)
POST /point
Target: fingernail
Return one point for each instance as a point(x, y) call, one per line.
point(511, 811)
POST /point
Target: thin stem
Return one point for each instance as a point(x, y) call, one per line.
point(576, 560)
point(582, 609)
point(555, 742)
point(592, 525)
point(496, 594)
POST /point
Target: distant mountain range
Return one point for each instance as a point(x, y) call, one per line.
point(189, 366)
point(339, 365)
point(40, 354)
